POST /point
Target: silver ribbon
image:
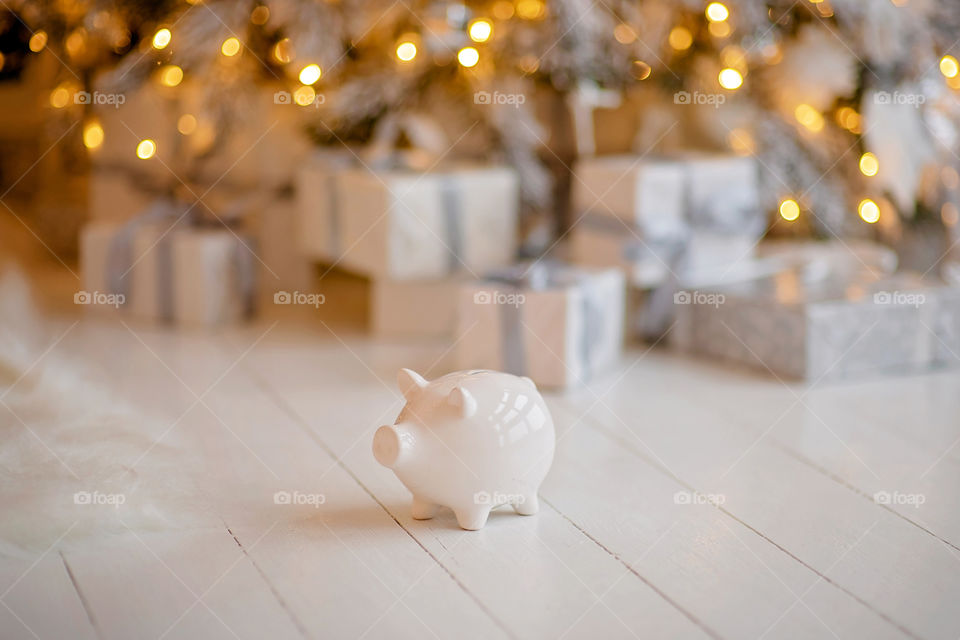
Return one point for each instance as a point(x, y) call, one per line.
point(120, 260)
point(542, 276)
point(451, 203)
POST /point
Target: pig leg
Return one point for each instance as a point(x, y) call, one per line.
point(472, 517)
point(422, 509)
point(528, 506)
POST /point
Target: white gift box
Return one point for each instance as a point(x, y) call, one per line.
point(404, 225)
point(830, 328)
point(318, 210)
point(414, 308)
point(199, 277)
point(560, 325)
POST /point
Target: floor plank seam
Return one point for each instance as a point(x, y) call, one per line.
point(293, 415)
point(859, 492)
point(629, 447)
point(273, 590)
point(687, 614)
point(83, 600)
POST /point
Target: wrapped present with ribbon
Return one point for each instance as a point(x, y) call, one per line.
point(558, 324)
point(815, 321)
point(169, 264)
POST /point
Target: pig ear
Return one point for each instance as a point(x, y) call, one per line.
point(463, 401)
point(410, 381)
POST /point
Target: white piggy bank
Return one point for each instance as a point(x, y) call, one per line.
point(471, 440)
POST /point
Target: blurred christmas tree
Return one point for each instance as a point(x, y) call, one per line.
point(849, 105)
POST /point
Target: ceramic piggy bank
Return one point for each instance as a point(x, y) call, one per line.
point(471, 440)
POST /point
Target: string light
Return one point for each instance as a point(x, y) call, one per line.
point(230, 47)
point(260, 14)
point(304, 96)
point(741, 141)
point(717, 12)
point(92, 134)
point(38, 41)
point(809, 117)
point(283, 51)
point(171, 75)
point(951, 179)
point(949, 214)
point(640, 70)
point(76, 42)
point(624, 33)
point(60, 97)
point(161, 38)
point(719, 29)
point(480, 30)
point(789, 210)
point(310, 74)
point(868, 210)
point(503, 10)
point(730, 79)
point(869, 165)
point(186, 124)
point(680, 38)
point(406, 51)
point(468, 57)
point(146, 149)
point(530, 9)
point(949, 66)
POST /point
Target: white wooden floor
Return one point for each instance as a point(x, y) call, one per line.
point(625, 545)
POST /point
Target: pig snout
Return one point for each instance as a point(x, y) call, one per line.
point(392, 445)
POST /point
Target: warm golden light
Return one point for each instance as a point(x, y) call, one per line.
point(951, 179)
point(310, 74)
point(640, 70)
point(730, 79)
point(171, 75)
point(230, 47)
point(717, 12)
point(146, 149)
point(406, 51)
point(503, 9)
point(76, 42)
point(949, 214)
point(480, 30)
point(789, 210)
point(304, 96)
point(468, 57)
point(680, 38)
point(260, 14)
point(161, 38)
point(869, 165)
point(530, 9)
point(719, 29)
point(868, 210)
point(624, 33)
point(92, 134)
point(38, 41)
point(283, 51)
point(809, 117)
point(60, 97)
point(949, 66)
point(186, 124)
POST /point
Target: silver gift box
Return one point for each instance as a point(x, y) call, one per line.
point(834, 328)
